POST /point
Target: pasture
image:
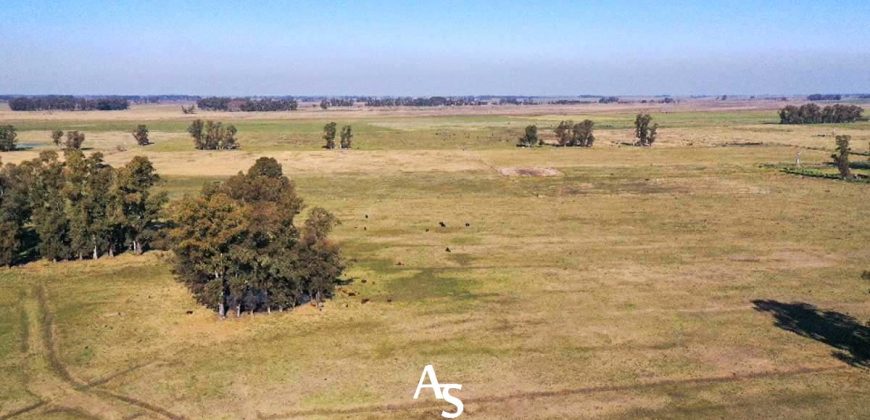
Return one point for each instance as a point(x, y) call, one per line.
point(691, 278)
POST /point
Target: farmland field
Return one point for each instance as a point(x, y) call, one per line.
point(690, 278)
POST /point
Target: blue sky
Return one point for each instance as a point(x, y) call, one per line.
point(435, 47)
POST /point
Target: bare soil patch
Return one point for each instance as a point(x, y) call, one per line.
point(529, 172)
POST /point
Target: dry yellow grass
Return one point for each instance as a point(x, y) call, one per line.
point(625, 287)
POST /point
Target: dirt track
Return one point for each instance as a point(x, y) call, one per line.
point(59, 391)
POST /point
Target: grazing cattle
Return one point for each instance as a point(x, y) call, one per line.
point(364, 301)
point(467, 224)
point(367, 216)
point(427, 229)
point(447, 249)
point(442, 224)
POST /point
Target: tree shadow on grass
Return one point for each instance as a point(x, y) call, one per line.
point(846, 334)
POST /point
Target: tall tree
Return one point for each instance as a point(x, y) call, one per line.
point(196, 131)
point(141, 135)
point(47, 205)
point(581, 134)
point(329, 135)
point(530, 137)
point(346, 137)
point(8, 138)
point(87, 190)
point(137, 207)
point(841, 157)
point(74, 140)
point(56, 136)
point(643, 131)
point(320, 257)
point(207, 227)
point(563, 133)
point(14, 211)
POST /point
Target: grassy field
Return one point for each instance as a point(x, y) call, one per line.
point(689, 279)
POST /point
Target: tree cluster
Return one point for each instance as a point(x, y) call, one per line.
point(214, 104)
point(346, 136)
point(608, 100)
point(666, 100)
point(643, 131)
point(824, 97)
point(81, 206)
point(268, 104)
point(569, 134)
point(333, 102)
point(512, 100)
point(8, 138)
point(67, 103)
point(74, 139)
point(211, 135)
point(237, 245)
point(813, 114)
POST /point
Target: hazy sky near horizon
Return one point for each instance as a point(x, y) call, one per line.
point(435, 47)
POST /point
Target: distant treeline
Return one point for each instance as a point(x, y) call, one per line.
point(821, 97)
point(131, 98)
point(67, 103)
point(156, 99)
point(423, 101)
point(517, 100)
point(247, 104)
point(331, 102)
point(813, 114)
